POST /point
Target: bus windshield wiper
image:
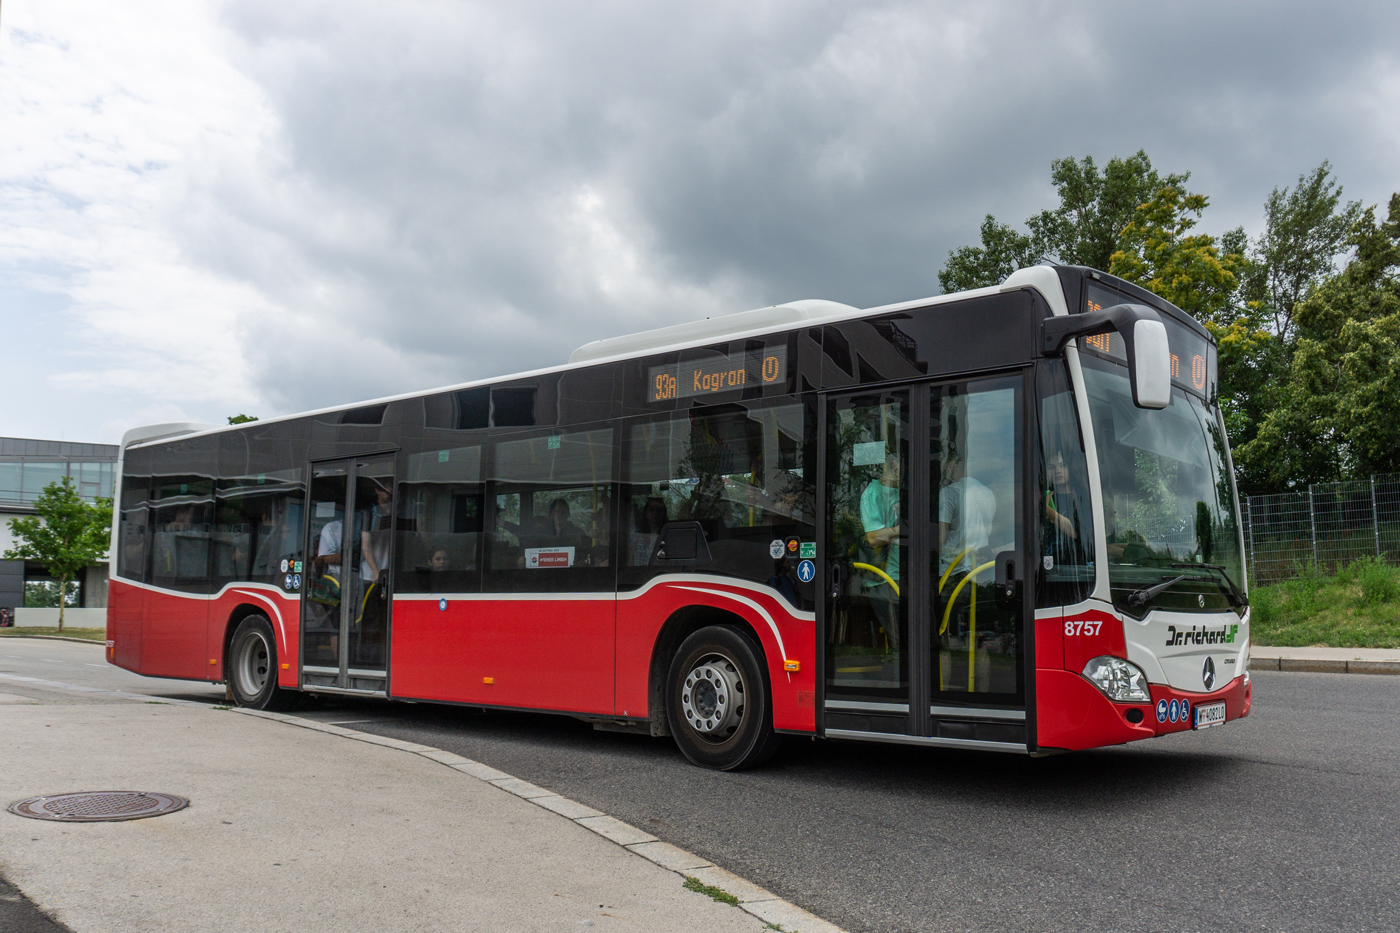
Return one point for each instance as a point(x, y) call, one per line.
point(1138, 597)
point(1236, 597)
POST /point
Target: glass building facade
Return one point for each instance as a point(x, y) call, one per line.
point(27, 466)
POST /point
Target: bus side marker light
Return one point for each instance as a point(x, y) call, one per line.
point(213, 660)
point(286, 667)
point(791, 665)
point(488, 680)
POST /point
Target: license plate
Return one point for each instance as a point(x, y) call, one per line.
point(1212, 714)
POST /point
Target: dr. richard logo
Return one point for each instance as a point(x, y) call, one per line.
point(1200, 635)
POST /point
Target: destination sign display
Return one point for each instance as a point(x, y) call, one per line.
point(718, 373)
point(1190, 356)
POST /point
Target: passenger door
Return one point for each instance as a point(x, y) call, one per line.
point(347, 591)
point(867, 540)
point(924, 553)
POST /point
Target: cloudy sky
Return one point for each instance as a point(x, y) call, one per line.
point(267, 206)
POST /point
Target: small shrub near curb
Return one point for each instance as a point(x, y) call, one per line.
point(1359, 607)
point(710, 891)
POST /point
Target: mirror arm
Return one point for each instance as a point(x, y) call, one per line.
point(1055, 332)
point(1136, 324)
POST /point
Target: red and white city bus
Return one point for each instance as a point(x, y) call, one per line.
point(1003, 519)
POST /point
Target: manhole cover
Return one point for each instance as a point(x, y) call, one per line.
point(98, 806)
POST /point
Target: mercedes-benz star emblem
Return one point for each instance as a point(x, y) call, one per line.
point(1208, 674)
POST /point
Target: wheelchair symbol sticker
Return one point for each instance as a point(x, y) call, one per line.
point(806, 570)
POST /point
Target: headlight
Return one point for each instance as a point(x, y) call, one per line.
point(1120, 680)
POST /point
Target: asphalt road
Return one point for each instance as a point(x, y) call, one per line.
point(1286, 821)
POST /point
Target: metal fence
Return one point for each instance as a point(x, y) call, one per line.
point(1330, 525)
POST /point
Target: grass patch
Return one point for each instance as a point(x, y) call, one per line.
point(91, 634)
point(710, 891)
point(1359, 607)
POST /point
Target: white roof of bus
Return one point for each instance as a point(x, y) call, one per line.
point(736, 326)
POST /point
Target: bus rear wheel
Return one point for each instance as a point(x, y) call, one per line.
point(252, 666)
point(717, 700)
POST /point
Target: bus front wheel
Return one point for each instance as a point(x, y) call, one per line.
point(717, 701)
point(252, 666)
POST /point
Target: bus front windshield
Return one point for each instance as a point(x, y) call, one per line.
point(1168, 499)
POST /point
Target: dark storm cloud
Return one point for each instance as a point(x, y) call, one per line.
point(467, 190)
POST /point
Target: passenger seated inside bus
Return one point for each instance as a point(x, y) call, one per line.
point(600, 533)
point(647, 525)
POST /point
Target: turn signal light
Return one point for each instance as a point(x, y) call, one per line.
point(488, 680)
point(791, 665)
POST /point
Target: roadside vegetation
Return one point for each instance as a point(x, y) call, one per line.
point(91, 634)
point(1359, 607)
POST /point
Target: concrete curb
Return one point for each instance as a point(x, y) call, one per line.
point(763, 904)
point(1324, 665)
point(76, 641)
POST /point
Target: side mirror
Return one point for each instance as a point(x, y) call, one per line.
point(1144, 338)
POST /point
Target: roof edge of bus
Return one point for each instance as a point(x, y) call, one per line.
point(159, 432)
point(757, 328)
point(773, 317)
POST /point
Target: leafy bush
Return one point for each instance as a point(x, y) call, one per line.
point(1265, 603)
point(1357, 608)
point(1378, 580)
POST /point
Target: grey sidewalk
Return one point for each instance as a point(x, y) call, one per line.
point(1325, 660)
point(300, 829)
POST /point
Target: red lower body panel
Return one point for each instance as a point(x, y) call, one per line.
point(574, 655)
point(163, 634)
point(125, 604)
point(539, 654)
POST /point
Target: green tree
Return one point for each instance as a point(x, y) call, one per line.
point(1084, 229)
point(1335, 412)
point(241, 419)
point(1305, 230)
point(66, 535)
point(1095, 207)
point(1157, 251)
point(1304, 233)
point(1001, 253)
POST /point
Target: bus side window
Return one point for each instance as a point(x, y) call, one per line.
point(550, 513)
point(742, 472)
point(133, 529)
point(181, 523)
point(439, 524)
point(257, 526)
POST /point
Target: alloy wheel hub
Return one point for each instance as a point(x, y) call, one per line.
point(712, 698)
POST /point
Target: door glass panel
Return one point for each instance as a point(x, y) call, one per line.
point(867, 544)
point(974, 477)
point(323, 580)
point(368, 587)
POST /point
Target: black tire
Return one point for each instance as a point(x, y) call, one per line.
point(251, 672)
point(717, 700)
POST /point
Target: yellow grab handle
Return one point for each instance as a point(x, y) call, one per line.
point(948, 610)
point(876, 570)
point(957, 560)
